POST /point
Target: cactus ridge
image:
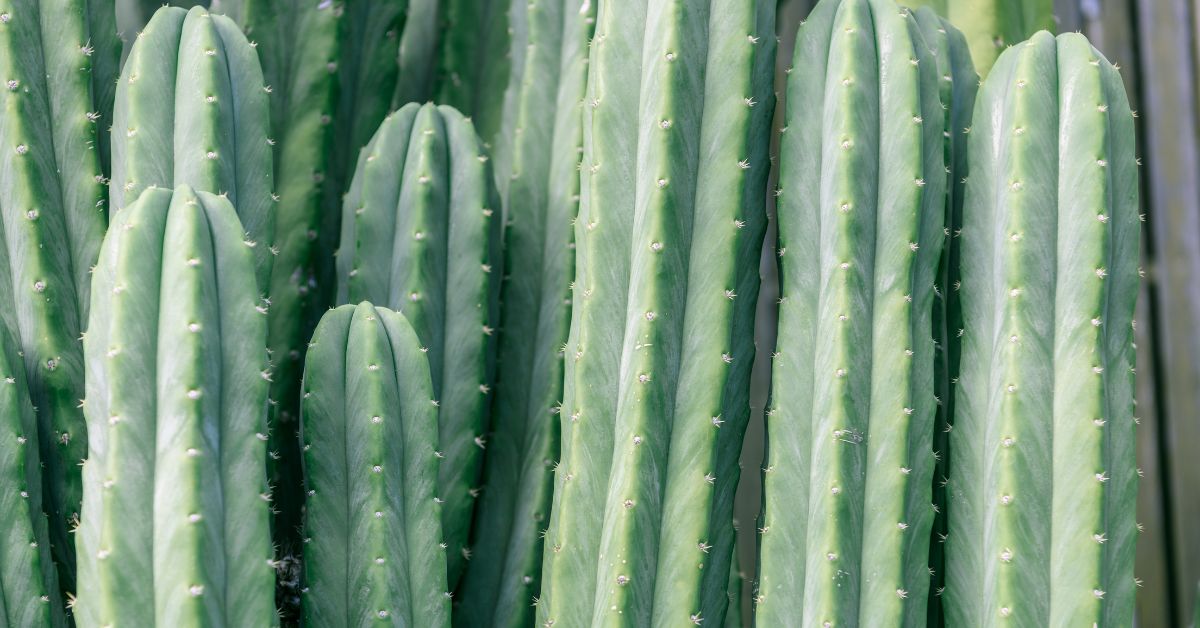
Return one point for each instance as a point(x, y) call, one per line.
point(58, 60)
point(848, 476)
point(1043, 479)
point(668, 239)
point(374, 548)
point(28, 582)
point(420, 233)
point(200, 121)
point(175, 527)
point(541, 204)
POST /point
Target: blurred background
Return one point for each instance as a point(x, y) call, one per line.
point(1156, 45)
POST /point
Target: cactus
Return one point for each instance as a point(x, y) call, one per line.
point(1043, 482)
point(418, 54)
point(541, 204)
point(370, 458)
point(27, 576)
point(192, 109)
point(419, 235)
point(176, 509)
point(58, 61)
point(303, 95)
point(848, 478)
point(668, 238)
point(990, 26)
point(958, 84)
point(475, 62)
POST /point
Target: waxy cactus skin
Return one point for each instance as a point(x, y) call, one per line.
point(373, 548)
point(176, 513)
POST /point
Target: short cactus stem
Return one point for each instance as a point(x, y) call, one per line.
point(421, 234)
point(668, 240)
point(209, 131)
point(373, 548)
point(176, 513)
point(846, 520)
point(543, 133)
point(1043, 477)
point(27, 575)
point(58, 63)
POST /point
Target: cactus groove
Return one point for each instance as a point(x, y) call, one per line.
point(1043, 478)
point(420, 234)
point(28, 583)
point(670, 227)
point(192, 109)
point(958, 84)
point(58, 63)
point(175, 528)
point(847, 482)
point(543, 130)
point(370, 431)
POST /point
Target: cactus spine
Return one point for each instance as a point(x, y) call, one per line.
point(58, 61)
point(847, 483)
point(370, 454)
point(175, 528)
point(419, 235)
point(545, 136)
point(958, 84)
point(1043, 480)
point(28, 581)
point(192, 109)
point(668, 238)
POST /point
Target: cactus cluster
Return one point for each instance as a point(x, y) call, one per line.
point(442, 313)
point(420, 235)
point(176, 511)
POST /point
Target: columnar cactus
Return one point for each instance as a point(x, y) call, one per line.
point(958, 84)
point(192, 109)
point(1043, 481)
point(990, 26)
point(543, 129)
point(848, 478)
point(27, 578)
point(668, 240)
point(475, 61)
point(370, 431)
point(420, 234)
point(176, 510)
point(418, 53)
point(58, 63)
point(304, 89)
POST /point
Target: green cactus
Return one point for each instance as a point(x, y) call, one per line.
point(370, 433)
point(475, 62)
point(192, 109)
point(1043, 481)
point(958, 84)
point(543, 131)
point(990, 26)
point(175, 528)
point(668, 239)
point(58, 63)
point(848, 477)
point(419, 235)
point(418, 54)
point(304, 90)
point(28, 581)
